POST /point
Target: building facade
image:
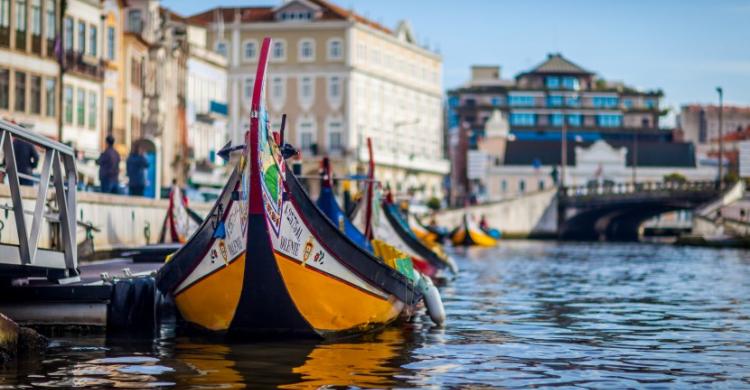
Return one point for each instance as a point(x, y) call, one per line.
point(29, 72)
point(340, 78)
point(540, 102)
point(699, 124)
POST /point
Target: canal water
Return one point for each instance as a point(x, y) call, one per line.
point(526, 314)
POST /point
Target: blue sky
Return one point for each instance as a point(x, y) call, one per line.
point(684, 47)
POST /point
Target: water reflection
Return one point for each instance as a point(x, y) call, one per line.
point(526, 314)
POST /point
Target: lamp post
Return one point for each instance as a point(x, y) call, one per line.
point(720, 91)
point(563, 150)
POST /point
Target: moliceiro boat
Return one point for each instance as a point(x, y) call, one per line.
point(267, 260)
point(381, 219)
point(469, 234)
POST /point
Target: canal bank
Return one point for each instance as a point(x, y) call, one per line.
point(19, 342)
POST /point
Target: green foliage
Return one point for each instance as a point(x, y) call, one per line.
point(434, 203)
point(675, 178)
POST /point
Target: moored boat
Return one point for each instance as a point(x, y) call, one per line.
point(469, 234)
point(269, 261)
point(380, 219)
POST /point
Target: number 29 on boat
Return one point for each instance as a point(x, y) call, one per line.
point(268, 261)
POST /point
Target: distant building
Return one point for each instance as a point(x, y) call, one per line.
point(341, 78)
point(536, 102)
point(700, 125)
point(29, 72)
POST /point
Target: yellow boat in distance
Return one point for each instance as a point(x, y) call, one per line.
point(267, 260)
point(469, 234)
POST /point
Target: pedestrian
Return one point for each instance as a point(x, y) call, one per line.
point(109, 168)
point(136, 165)
point(27, 158)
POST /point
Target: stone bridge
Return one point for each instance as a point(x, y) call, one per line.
point(615, 212)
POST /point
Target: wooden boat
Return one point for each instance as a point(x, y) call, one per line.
point(268, 261)
point(330, 207)
point(381, 220)
point(469, 234)
point(180, 221)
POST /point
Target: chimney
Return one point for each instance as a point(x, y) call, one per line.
point(484, 73)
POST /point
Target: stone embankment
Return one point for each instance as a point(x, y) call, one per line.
point(17, 342)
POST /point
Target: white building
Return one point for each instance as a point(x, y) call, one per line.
point(340, 78)
point(512, 167)
point(206, 107)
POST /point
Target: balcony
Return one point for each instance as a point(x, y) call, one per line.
point(75, 63)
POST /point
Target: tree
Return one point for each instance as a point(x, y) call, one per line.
point(434, 204)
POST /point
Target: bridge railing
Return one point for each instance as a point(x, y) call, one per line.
point(602, 189)
point(58, 171)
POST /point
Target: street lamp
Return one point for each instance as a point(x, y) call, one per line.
point(720, 91)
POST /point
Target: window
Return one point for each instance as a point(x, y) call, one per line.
point(135, 22)
point(21, 24)
point(650, 103)
point(51, 24)
point(334, 87)
point(279, 50)
point(81, 108)
point(605, 101)
point(81, 37)
point(609, 120)
point(111, 43)
point(522, 119)
point(21, 15)
point(92, 41)
point(92, 110)
point(68, 26)
point(503, 185)
point(68, 102)
point(574, 119)
point(221, 48)
point(520, 100)
point(4, 14)
point(110, 114)
point(277, 90)
point(248, 88)
point(36, 17)
point(335, 51)
point(335, 136)
point(20, 92)
point(306, 136)
point(554, 101)
point(552, 82)
point(556, 119)
point(36, 95)
point(306, 88)
point(251, 50)
point(572, 101)
point(570, 82)
point(50, 96)
point(4, 88)
point(306, 50)
point(496, 101)
point(541, 185)
point(522, 186)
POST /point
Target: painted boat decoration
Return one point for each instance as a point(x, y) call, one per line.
point(268, 261)
point(382, 220)
point(180, 221)
point(469, 234)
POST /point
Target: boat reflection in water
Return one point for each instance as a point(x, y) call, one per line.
point(368, 361)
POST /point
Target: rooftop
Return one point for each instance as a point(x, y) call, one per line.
point(556, 63)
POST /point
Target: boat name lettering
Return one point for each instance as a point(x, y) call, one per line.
point(289, 246)
point(294, 224)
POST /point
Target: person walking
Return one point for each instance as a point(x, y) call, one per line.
point(109, 168)
point(136, 165)
point(27, 158)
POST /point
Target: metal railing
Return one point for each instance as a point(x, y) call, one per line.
point(602, 189)
point(58, 171)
